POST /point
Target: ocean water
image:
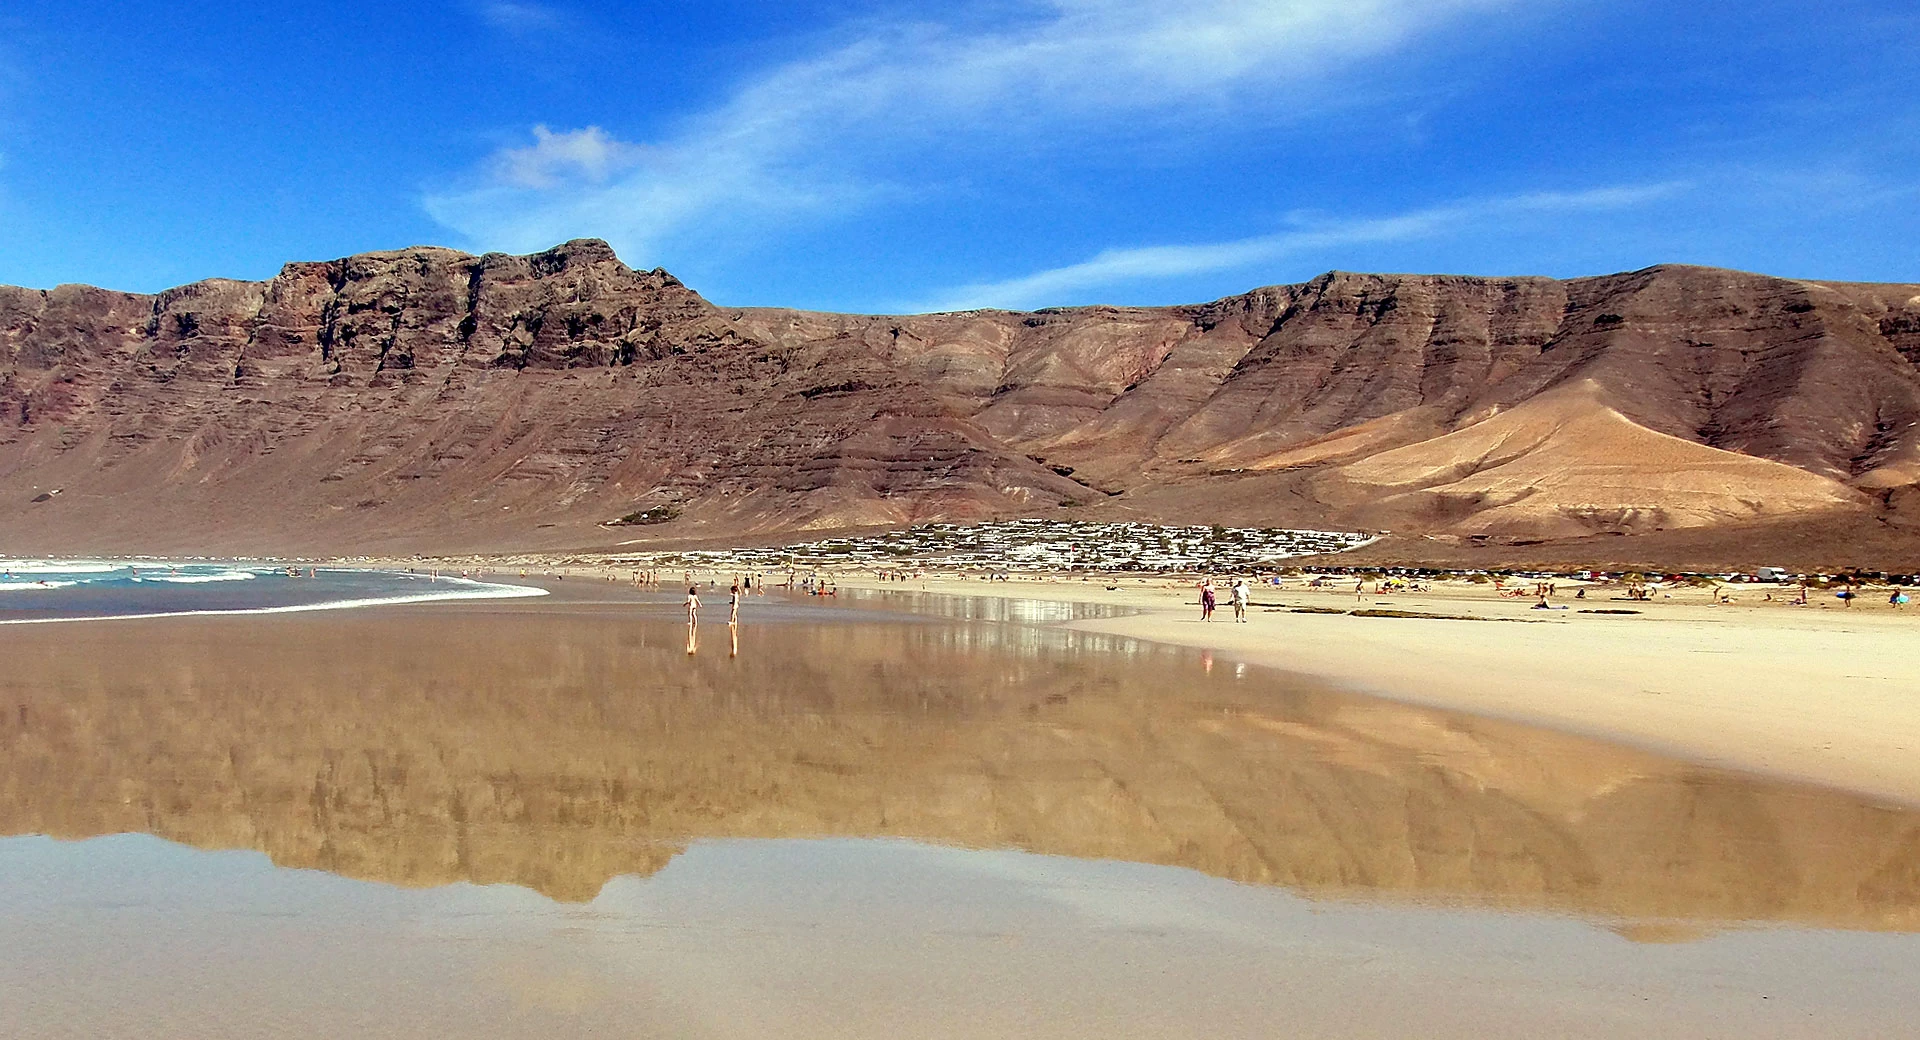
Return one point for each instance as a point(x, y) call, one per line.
point(40, 590)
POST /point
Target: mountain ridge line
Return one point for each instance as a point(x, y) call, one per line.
point(428, 399)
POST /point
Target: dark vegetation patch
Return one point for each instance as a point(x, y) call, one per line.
point(847, 387)
point(656, 515)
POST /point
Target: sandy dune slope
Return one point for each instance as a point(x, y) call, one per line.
point(1566, 464)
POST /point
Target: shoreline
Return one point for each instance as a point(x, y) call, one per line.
point(1822, 696)
point(470, 589)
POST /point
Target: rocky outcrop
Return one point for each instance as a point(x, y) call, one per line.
point(428, 399)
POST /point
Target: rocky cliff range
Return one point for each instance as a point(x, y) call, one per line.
point(429, 400)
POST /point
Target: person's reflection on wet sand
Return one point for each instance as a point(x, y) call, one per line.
point(733, 632)
point(693, 636)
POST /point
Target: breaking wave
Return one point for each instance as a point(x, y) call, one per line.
point(198, 579)
point(99, 590)
point(34, 586)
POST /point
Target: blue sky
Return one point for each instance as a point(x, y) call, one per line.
point(860, 155)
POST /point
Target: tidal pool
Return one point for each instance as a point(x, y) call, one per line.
point(543, 818)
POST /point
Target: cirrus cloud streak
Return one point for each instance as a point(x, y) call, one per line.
point(1115, 267)
point(822, 135)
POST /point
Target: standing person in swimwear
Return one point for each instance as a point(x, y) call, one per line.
point(733, 604)
point(1206, 600)
point(693, 605)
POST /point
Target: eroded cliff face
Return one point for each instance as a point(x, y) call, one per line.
point(427, 399)
point(559, 750)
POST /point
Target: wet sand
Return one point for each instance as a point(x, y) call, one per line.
point(821, 940)
point(544, 817)
point(1824, 694)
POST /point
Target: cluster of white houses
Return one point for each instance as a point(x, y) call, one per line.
point(1039, 545)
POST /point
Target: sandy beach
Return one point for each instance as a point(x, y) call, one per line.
point(1825, 694)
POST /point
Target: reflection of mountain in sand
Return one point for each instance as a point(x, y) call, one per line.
point(559, 752)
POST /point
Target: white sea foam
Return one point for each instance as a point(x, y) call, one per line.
point(33, 586)
point(475, 590)
point(198, 579)
point(60, 566)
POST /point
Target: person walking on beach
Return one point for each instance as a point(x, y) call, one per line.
point(733, 605)
point(693, 605)
point(1206, 601)
point(1240, 596)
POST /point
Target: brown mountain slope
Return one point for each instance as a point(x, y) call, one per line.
point(434, 400)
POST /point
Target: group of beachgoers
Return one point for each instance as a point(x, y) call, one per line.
point(1896, 599)
point(1239, 594)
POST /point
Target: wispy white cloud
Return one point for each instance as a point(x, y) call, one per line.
point(1116, 267)
point(519, 15)
point(805, 138)
point(587, 155)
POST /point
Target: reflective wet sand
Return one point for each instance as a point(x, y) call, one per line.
point(861, 826)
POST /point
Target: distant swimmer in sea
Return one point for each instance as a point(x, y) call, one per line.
point(693, 605)
point(733, 605)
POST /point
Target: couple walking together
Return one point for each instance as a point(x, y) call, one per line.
point(1238, 596)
